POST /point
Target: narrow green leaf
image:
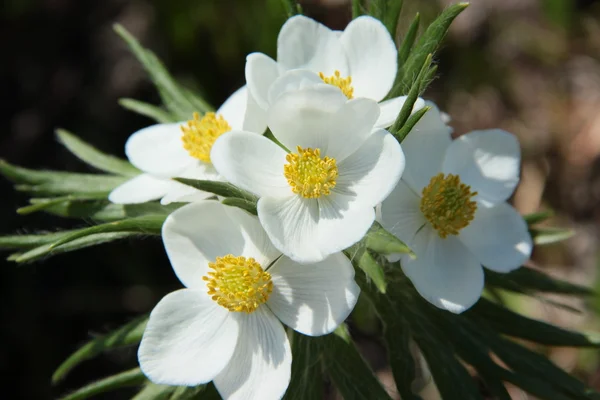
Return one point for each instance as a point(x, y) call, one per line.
point(410, 123)
point(537, 217)
point(361, 258)
point(152, 391)
point(510, 323)
point(50, 250)
point(542, 236)
point(188, 393)
point(349, 372)
point(307, 377)
point(357, 10)
point(409, 40)
point(95, 158)
point(391, 16)
point(46, 203)
point(181, 102)
point(148, 110)
point(219, 188)
point(29, 241)
point(133, 377)
point(378, 9)
point(427, 44)
point(383, 242)
point(413, 95)
point(241, 203)
point(128, 334)
point(525, 280)
point(291, 7)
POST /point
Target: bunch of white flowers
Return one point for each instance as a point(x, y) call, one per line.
point(319, 177)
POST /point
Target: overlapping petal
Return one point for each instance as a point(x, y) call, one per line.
point(234, 108)
point(188, 341)
point(141, 189)
point(400, 213)
point(261, 71)
point(313, 299)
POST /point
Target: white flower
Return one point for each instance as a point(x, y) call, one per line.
point(361, 61)
point(225, 325)
point(182, 149)
point(318, 199)
point(450, 208)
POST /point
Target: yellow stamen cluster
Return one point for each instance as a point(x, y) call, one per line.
point(345, 84)
point(308, 174)
point(200, 134)
point(238, 283)
point(447, 204)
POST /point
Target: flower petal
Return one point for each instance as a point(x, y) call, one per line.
point(372, 57)
point(321, 117)
point(255, 119)
point(140, 189)
point(392, 107)
point(261, 71)
point(185, 193)
point(400, 213)
point(234, 108)
point(305, 43)
point(372, 171)
point(188, 341)
point(198, 233)
point(261, 364)
point(488, 161)
point(158, 150)
point(293, 80)
point(315, 298)
point(498, 237)
point(445, 273)
point(251, 162)
point(424, 148)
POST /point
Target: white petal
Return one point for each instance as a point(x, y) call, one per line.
point(158, 150)
point(261, 72)
point(391, 108)
point(140, 189)
point(179, 192)
point(424, 148)
point(372, 171)
point(313, 298)
point(234, 108)
point(488, 161)
point(400, 213)
point(255, 119)
point(251, 162)
point(305, 43)
point(309, 230)
point(372, 57)
point(188, 341)
point(198, 233)
point(261, 364)
point(499, 238)
point(293, 80)
point(321, 117)
point(445, 273)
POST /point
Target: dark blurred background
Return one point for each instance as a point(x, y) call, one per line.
point(529, 66)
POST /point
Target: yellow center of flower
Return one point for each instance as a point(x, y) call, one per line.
point(200, 134)
point(447, 204)
point(238, 283)
point(345, 84)
point(308, 174)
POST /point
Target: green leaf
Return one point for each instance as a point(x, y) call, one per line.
point(537, 217)
point(357, 8)
point(410, 123)
point(413, 95)
point(526, 280)
point(291, 7)
point(362, 259)
point(128, 334)
point(241, 203)
point(95, 158)
point(29, 241)
point(133, 377)
point(381, 241)
point(41, 204)
point(50, 250)
point(347, 369)
point(409, 40)
point(148, 110)
point(391, 16)
point(152, 391)
point(181, 102)
point(543, 236)
point(307, 378)
point(219, 188)
point(427, 44)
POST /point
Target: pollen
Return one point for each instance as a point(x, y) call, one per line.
point(308, 174)
point(345, 84)
point(447, 205)
point(238, 283)
point(199, 134)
